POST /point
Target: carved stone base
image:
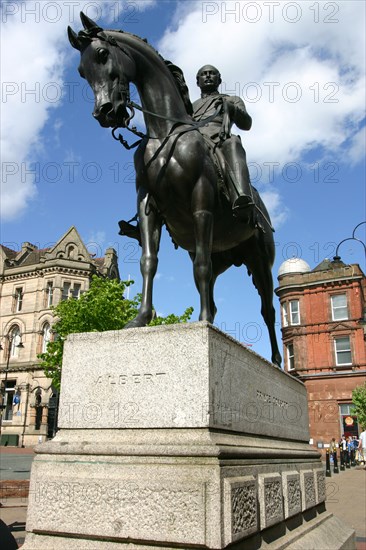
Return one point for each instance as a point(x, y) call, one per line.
point(166, 471)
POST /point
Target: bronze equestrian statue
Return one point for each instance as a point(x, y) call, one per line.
point(180, 180)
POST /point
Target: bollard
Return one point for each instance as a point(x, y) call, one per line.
point(348, 461)
point(335, 461)
point(328, 472)
point(342, 461)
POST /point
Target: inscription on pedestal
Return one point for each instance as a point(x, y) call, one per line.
point(134, 378)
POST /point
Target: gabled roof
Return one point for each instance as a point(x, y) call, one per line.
point(70, 247)
point(8, 252)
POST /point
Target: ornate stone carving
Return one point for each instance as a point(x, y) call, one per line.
point(270, 499)
point(291, 493)
point(241, 510)
point(320, 486)
point(308, 489)
point(244, 508)
point(138, 508)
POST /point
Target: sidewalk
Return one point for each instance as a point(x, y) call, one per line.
point(346, 498)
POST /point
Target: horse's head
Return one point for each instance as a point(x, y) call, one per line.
point(108, 68)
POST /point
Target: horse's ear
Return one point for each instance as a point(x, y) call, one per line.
point(88, 23)
point(74, 39)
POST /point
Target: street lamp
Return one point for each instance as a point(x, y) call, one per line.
point(353, 238)
point(10, 337)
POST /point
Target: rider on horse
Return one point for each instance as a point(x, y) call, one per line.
point(217, 133)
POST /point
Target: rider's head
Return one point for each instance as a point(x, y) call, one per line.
point(208, 78)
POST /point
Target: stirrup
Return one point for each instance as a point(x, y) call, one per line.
point(243, 208)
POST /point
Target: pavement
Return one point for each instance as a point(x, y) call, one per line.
point(346, 498)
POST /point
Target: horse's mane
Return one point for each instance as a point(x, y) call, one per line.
point(181, 85)
point(176, 72)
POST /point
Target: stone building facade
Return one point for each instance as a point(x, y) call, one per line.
point(323, 328)
point(32, 280)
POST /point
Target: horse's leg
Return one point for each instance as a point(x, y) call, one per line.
point(213, 309)
point(259, 263)
point(202, 268)
point(150, 228)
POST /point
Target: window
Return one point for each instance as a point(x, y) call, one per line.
point(46, 336)
point(348, 421)
point(14, 341)
point(49, 294)
point(339, 307)
point(8, 399)
point(284, 315)
point(342, 347)
point(65, 291)
point(18, 299)
point(290, 357)
point(295, 312)
point(76, 291)
point(291, 313)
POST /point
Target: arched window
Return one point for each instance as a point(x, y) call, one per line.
point(14, 341)
point(46, 336)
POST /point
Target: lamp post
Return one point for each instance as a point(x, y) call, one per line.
point(10, 338)
point(25, 387)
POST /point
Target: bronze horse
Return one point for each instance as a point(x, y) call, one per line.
point(176, 179)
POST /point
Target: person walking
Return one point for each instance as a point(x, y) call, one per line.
point(343, 449)
point(333, 448)
point(362, 448)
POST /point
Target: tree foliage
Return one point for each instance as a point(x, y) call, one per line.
point(359, 402)
point(102, 307)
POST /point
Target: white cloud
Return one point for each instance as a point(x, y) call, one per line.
point(307, 77)
point(34, 50)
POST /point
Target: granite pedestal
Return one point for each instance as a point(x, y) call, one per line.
point(178, 437)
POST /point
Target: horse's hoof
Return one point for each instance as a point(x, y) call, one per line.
point(135, 323)
point(277, 359)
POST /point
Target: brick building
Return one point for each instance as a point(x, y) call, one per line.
point(31, 281)
point(323, 329)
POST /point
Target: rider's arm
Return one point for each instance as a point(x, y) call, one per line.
point(238, 113)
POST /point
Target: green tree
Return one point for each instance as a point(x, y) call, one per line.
point(359, 402)
point(102, 307)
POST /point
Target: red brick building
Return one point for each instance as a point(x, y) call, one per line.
point(323, 314)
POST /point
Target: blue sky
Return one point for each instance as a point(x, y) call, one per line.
point(298, 66)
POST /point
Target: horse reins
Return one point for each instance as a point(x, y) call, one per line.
point(132, 105)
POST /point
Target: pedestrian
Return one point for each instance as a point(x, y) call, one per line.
point(362, 448)
point(343, 449)
point(333, 448)
point(350, 452)
point(355, 448)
